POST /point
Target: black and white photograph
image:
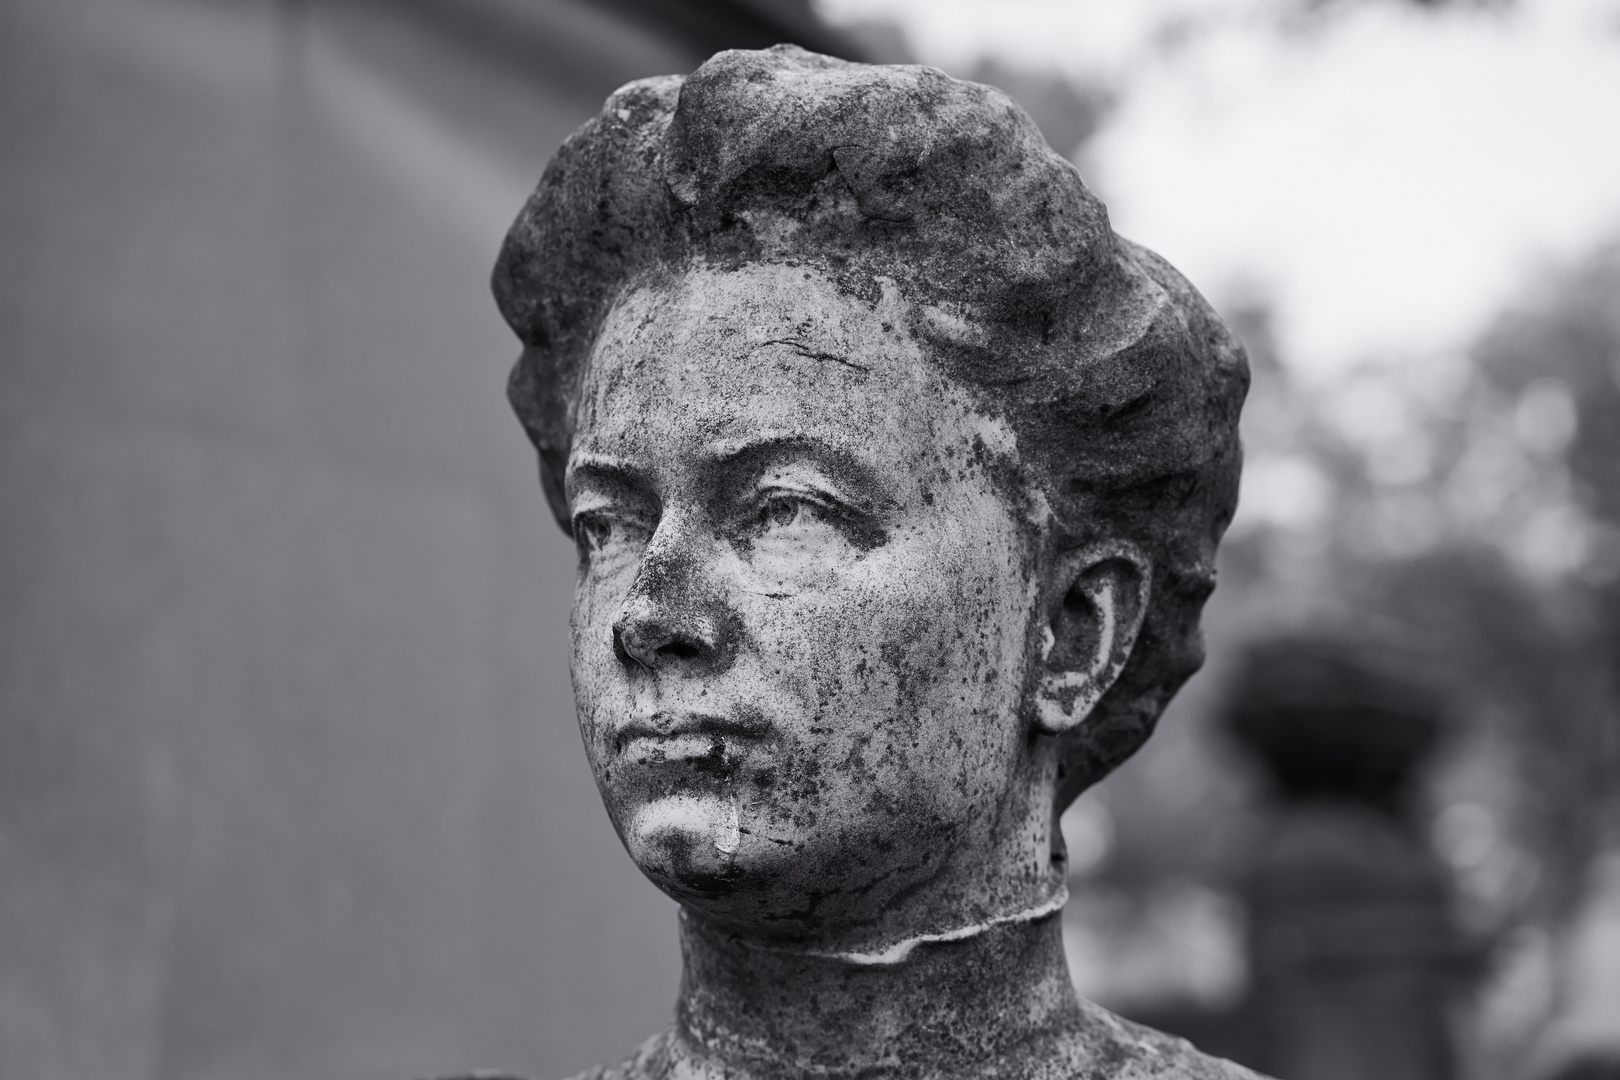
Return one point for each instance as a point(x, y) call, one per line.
point(809, 539)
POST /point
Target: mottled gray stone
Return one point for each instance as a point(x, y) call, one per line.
point(897, 479)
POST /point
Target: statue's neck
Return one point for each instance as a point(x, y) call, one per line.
point(946, 1008)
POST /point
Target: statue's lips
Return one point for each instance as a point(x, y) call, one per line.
point(684, 737)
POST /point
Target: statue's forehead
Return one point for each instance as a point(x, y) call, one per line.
point(710, 306)
point(767, 345)
point(717, 358)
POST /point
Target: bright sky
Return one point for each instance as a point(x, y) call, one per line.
point(1388, 176)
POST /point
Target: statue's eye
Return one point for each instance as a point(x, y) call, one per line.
point(782, 511)
point(592, 532)
point(792, 521)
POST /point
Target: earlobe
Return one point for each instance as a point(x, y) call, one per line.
point(1099, 598)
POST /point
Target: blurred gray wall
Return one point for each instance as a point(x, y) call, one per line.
point(289, 779)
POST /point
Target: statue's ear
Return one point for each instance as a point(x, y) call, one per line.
point(1097, 598)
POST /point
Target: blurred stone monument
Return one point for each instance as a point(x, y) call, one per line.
point(1355, 961)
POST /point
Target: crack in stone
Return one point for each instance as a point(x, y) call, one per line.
point(804, 350)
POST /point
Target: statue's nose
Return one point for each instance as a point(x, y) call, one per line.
point(673, 617)
point(655, 635)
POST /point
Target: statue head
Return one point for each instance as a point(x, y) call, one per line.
point(896, 477)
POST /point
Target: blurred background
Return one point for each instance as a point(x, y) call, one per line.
point(289, 780)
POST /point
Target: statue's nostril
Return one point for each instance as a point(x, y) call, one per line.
point(681, 650)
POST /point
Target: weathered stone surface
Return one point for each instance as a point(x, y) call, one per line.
point(897, 479)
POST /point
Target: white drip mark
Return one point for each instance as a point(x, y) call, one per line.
point(730, 835)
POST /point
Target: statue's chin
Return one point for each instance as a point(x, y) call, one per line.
point(704, 850)
point(687, 844)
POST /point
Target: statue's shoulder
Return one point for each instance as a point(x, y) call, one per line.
point(651, 1061)
point(1111, 1048)
point(1119, 1049)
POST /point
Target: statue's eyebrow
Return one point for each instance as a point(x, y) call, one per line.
point(602, 470)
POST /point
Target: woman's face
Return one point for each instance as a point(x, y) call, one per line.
point(802, 623)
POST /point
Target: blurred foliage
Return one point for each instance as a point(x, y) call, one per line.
point(1566, 347)
point(1467, 511)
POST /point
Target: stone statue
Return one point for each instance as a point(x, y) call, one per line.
point(897, 480)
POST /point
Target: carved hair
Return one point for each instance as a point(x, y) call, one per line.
point(1122, 384)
